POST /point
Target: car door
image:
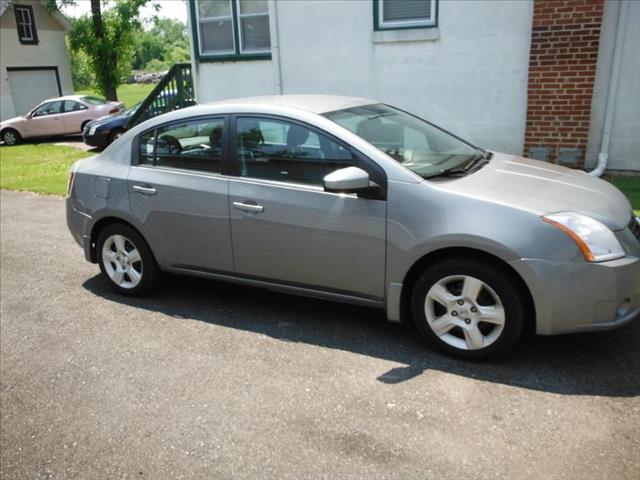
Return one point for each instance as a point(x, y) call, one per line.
point(286, 228)
point(177, 193)
point(46, 120)
point(74, 114)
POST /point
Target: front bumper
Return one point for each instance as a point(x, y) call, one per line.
point(98, 139)
point(581, 296)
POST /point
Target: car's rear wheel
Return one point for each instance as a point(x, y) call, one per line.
point(84, 124)
point(126, 260)
point(11, 137)
point(469, 308)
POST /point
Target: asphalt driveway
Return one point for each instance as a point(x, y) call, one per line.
point(208, 380)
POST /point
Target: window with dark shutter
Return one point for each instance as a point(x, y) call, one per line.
point(25, 24)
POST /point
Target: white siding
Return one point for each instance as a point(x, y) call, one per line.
point(472, 77)
point(624, 150)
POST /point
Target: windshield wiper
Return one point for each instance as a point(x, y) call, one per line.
point(449, 172)
point(476, 163)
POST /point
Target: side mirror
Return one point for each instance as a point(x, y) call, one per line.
point(347, 180)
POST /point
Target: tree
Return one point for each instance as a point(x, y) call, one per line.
point(163, 44)
point(107, 39)
point(81, 71)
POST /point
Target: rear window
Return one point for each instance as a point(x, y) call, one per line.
point(94, 100)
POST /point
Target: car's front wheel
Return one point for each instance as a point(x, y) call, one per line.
point(469, 308)
point(126, 260)
point(116, 134)
point(10, 137)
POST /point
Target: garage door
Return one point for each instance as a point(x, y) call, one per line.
point(30, 87)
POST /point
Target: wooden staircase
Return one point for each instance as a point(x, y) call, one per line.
point(174, 91)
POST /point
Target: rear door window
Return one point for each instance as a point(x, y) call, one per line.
point(188, 145)
point(71, 106)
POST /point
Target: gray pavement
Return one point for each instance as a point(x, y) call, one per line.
point(209, 380)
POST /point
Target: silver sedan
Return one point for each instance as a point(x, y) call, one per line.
point(356, 201)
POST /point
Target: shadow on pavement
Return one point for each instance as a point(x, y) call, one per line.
point(604, 363)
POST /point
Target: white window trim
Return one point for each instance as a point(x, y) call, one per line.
point(200, 20)
point(382, 24)
point(239, 18)
point(25, 14)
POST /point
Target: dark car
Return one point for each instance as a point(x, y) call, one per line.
point(103, 131)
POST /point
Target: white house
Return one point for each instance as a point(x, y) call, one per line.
point(509, 75)
point(34, 63)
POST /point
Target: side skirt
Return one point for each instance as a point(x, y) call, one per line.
point(280, 287)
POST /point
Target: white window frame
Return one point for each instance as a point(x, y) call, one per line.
point(24, 13)
point(389, 25)
point(200, 20)
point(238, 19)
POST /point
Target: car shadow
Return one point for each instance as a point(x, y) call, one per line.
point(68, 140)
point(604, 363)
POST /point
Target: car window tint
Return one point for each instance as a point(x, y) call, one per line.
point(286, 151)
point(50, 108)
point(146, 144)
point(190, 145)
point(71, 106)
point(94, 100)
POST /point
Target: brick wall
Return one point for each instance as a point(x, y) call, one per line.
point(562, 70)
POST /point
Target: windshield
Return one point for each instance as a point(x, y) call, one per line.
point(94, 100)
point(418, 145)
point(133, 109)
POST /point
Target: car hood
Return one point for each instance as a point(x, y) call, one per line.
point(544, 188)
point(107, 118)
point(12, 121)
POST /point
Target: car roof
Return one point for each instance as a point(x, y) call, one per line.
point(317, 104)
point(68, 97)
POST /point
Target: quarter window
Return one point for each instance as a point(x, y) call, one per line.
point(401, 14)
point(25, 24)
point(288, 152)
point(189, 145)
point(232, 28)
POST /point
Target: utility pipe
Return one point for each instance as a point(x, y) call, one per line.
point(614, 78)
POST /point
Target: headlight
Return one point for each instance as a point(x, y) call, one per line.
point(92, 130)
point(596, 242)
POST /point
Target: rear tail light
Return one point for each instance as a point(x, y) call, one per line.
point(114, 110)
point(72, 175)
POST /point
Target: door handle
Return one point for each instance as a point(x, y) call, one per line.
point(247, 207)
point(145, 190)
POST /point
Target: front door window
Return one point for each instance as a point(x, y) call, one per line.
point(285, 151)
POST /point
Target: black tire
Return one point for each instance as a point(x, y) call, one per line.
point(84, 124)
point(113, 135)
point(147, 266)
point(11, 137)
point(501, 283)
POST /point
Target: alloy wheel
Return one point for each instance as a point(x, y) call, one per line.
point(464, 312)
point(122, 261)
point(10, 138)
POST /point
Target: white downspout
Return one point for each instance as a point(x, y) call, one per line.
point(275, 46)
point(614, 78)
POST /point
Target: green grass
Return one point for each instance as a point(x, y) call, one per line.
point(630, 186)
point(39, 168)
point(130, 94)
